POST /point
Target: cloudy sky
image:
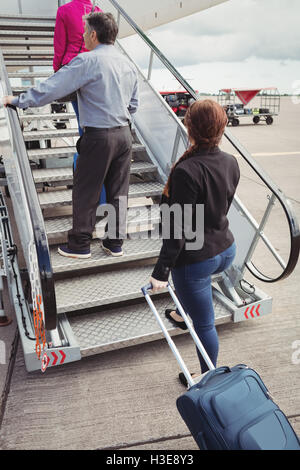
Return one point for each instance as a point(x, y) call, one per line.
point(241, 43)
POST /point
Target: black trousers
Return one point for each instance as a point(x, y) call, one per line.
point(104, 158)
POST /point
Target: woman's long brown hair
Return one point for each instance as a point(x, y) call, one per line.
point(205, 121)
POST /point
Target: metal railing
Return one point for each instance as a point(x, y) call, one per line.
point(27, 211)
point(277, 194)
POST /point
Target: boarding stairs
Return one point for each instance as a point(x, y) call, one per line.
point(96, 305)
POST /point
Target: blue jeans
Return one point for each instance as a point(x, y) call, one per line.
point(193, 287)
point(103, 192)
point(75, 107)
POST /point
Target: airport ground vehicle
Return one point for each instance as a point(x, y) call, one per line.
point(68, 309)
point(236, 103)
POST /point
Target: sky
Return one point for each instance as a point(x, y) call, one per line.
point(240, 43)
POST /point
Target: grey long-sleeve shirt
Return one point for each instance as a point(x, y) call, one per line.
point(106, 84)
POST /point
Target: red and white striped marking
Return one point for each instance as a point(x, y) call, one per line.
point(254, 312)
point(53, 359)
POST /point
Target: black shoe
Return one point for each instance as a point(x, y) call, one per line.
point(183, 380)
point(112, 250)
point(80, 254)
point(178, 324)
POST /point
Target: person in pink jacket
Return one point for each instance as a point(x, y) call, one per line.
point(69, 29)
point(68, 43)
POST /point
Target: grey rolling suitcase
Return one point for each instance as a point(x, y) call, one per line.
point(230, 408)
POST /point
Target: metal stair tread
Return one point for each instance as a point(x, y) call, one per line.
point(27, 63)
point(49, 134)
point(106, 288)
point(53, 133)
point(64, 197)
point(38, 154)
point(66, 174)
point(23, 42)
point(47, 116)
point(94, 290)
point(27, 52)
point(134, 250)
point(39, 74)
point(25, 34)
point(52, 174)
point(22, 16)
point(21, 89)
point(57, 227)
point(128, 326)
point(26, 24)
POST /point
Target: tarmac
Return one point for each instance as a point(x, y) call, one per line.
point(127, 399)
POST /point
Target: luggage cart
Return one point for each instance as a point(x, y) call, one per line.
point(179, 101)
point(236, 101)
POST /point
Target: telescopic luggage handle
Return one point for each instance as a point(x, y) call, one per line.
point(171, 343)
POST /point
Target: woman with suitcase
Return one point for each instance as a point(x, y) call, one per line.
point(203, 175)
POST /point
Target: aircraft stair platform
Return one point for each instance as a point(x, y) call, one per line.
point(66, 308)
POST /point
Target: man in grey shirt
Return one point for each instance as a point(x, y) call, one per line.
point(107, 91)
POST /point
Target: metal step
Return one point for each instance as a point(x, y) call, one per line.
point(26, 43)
point(58, 227)
point(28, 63)
point(38, 74)
point(105, 288)
point(48, 175)
point(23, 17)
point(46, 117)
point(95, 290)
point(50, 134)
point(25, 34)
point(26, 25)
point(20, 89)
point(64, 198)
point(40, 154)
point(24, 52)
point(137, 249)
point(128, 326)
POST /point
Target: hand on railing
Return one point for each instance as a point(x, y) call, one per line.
point(7, 100)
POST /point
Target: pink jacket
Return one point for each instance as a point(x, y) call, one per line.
point(69, 28)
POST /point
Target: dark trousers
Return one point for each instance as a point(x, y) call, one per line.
point(194, 290)
point(80, 130)
point(104, 158)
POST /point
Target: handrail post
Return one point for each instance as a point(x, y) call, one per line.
point(119, 22)
point(176, 145)
point(150, 65)
point(20, 7)
point(260, 234)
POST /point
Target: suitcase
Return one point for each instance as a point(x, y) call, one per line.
point(230, 408)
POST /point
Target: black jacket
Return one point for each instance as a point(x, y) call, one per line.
point(209, 178)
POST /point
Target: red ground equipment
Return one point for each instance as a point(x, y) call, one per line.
point(269, 104)
point(179, 101)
